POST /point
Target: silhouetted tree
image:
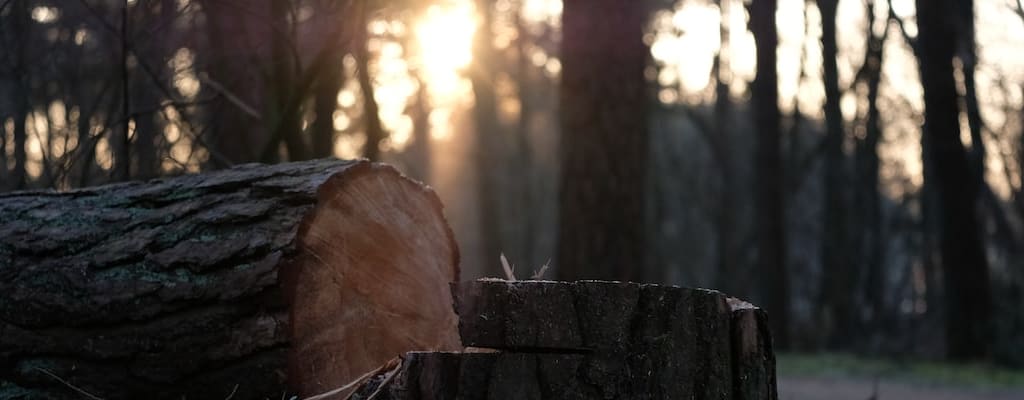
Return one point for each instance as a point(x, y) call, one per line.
point(325, 97)
point(371, 111)
point(728, 278)
point(604, 140)
point(770, 211)
point(868, 204)
point(236, 134)
point(20, 74)
point(486, 157)
point(837, 301)
point(963, 260)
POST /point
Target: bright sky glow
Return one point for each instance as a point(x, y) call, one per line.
point(445, 40)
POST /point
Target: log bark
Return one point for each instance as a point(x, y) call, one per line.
point(591, 340)
point(257, 281)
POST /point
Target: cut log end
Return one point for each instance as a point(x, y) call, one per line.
point(371, 279)
point(255, 281)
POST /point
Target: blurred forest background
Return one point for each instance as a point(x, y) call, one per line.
point(856, 167)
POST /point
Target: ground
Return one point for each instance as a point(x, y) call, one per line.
point(852, 388)
point(839, 377)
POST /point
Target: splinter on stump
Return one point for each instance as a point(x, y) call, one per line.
point(253, 282)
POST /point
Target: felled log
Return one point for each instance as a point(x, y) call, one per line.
point(591, 340)
point(253, 282)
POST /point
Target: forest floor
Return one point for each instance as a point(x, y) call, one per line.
point(840, 377)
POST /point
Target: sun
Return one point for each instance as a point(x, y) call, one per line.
point(444, 36)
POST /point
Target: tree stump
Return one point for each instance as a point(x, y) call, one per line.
point(591, 340)
point(253, 282)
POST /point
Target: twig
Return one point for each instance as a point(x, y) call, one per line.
point(384, 382)
point(68, 384)
point(238, 102)
point(394, 365)
point(232, 394)
point(155, 79)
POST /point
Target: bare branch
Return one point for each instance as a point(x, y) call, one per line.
point(231, 97)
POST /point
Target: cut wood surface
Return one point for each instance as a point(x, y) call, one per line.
point(252, 282)
point(591, 340)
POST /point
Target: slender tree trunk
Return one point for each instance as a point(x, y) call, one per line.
point(286, 118)
point(770, 219)
point(326, 103)
point(837, 300)
point(371, 116)
point(121, 143)
point(20, 12)
point(4, 171)
point(87, 106)
point(967, 54)
point(964, 265)
point(419, 151)
point(487, 131)
point(869, 201)
point(145, 97)
point(1020, 162)
point(729, 277)
point(528, 207)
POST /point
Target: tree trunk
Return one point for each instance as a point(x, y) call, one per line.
point(869, 199)
point(604, 141)
point(120, 142)
point(488, 157)
point(837, 300)
point(326, 103)
point(20, 15)
point(967, 54)
point(418, 152)
point(558, 340)
point(257, 280)
point(526, 176)
point(729, 277)
point(145, 95)
point(286, 118)
point(770, 210)
point(371, 114)
point(964, 265)
point(233, 40)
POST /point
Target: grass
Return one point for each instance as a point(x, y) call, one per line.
point(923, 372)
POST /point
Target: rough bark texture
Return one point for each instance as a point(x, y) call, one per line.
point(753, 359)
point(604, 141)
point(591, 340)
point(257, 281)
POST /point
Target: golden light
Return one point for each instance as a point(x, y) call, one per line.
point(445, 42)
